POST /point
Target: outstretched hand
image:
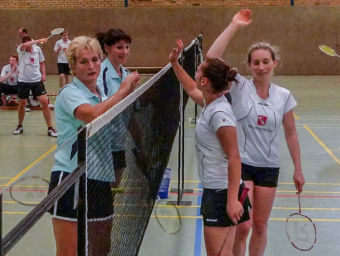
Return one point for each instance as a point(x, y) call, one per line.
point(174, 54)
point(242, 18)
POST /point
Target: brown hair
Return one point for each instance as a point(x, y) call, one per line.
point(265, 46)
point(219, 73)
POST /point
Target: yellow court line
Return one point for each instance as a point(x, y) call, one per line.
point(296, 116)
point(322, 144)
point(314, 220)
point(30, 166)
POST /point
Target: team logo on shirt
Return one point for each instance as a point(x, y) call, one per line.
point(12, 79)
point(64, 49)
point(32, 60)
point(261, 120)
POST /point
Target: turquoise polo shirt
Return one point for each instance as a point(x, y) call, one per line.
point(113, 82)
point(66, 157)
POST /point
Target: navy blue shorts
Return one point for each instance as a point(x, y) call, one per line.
point(261, 176)
point(63, 68)
point(214, 208)
point(37, 88)
point(99, 198)
point(119, 159)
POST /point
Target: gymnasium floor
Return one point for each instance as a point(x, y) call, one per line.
point(318, 125)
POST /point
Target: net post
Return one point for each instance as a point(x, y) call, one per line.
point(0, 224)
point(81, 208)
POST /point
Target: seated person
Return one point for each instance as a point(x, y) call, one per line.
point(9, 78)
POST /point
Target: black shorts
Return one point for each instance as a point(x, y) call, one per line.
point(214, 208)
point(261, 176)
point(99, 198)
point(24, 89)
point(9, 89)
point(119, 159)
point(63, 68)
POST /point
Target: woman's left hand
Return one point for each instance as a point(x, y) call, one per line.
point(174, 54)
point(234, 210)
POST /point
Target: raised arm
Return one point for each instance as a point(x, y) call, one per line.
point(23, 46)
point(187, 82)
point(240, 19)
point(294, 149)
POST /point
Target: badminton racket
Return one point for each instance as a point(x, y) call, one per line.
point(328, 50)
point(242, 198)
point(55, 31)
point(168, 216)
point(29, 191)
point(300, 230)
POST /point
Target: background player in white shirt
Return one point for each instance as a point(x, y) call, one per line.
point(31, 77)
point(63, 67)
point(218, 156)
point(260, 108)
point(9, 78)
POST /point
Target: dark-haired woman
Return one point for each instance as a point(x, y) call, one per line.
point(115, 44)
point(219, 166)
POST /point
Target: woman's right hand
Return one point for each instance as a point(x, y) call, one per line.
point(242, 18)
point(130, 83)
point(174, 54)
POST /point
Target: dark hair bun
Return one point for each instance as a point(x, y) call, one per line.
point(231, 74)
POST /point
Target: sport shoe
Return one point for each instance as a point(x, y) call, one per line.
point(52, 132)
point(18, 130)
point(27, 109)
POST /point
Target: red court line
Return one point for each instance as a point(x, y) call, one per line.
point(283, 195)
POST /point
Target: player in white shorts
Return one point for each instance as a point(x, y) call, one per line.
point(63, 67)
point(219, 166)
point(261, 108)
point(31, 77)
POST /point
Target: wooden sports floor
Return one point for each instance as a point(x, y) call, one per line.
point(318, 125)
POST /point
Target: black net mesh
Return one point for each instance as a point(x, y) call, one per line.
point(126, 159)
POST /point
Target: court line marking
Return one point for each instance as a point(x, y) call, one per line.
point(30, 166)
point(322, 144)
point(319, 140)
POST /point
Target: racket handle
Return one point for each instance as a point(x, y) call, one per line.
point(243, 194)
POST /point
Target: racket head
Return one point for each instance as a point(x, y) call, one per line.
point(57, 31)
point(301, 231)
point(29, 191)
point(327, 50)
point(168, 216)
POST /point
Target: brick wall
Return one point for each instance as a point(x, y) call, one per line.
point(51, 4)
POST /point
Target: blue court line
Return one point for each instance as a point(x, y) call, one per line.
point(198, 231)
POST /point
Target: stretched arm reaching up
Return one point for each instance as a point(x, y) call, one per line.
point(240, 19)
point(187, 82)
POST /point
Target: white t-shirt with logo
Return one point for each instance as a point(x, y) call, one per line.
point(212, 160)
point(259, 121)
point(13, 78)
point(61, 54)
point(29, 64)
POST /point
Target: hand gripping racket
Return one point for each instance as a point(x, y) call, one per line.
point(55, 31)
point(328, 50)
point(300, 230)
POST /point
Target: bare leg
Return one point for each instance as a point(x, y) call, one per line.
point(65, 233)
point(62, 80)
point(46, 111)
point(21, 110)
point(99, 237)
point(219, 240)
point(262, 206)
